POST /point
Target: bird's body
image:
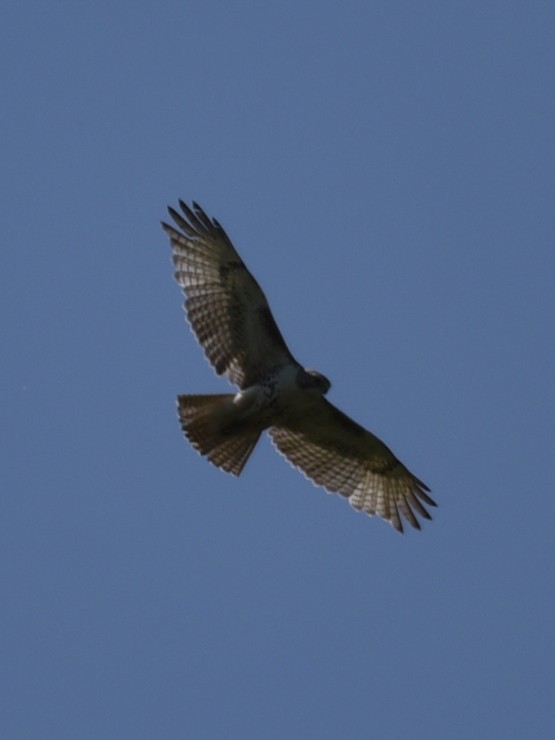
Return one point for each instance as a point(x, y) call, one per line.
point(232, 320)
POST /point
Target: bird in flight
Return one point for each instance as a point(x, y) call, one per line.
point(231, 318)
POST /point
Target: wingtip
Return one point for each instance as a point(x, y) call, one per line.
point(173, 213)
point(397, 526)
point(427, 499)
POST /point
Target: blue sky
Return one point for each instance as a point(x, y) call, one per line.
point(386, 170)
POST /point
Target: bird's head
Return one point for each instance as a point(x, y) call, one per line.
point(316, 381)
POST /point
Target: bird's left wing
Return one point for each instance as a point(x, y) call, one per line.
point(225, 306)
point(337, 453)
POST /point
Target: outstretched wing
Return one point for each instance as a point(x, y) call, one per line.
point(225, 306)
point(335, 452)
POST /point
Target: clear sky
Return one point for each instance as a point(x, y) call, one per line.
point(387, 171)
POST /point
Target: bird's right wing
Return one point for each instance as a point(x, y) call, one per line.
point(226, 307)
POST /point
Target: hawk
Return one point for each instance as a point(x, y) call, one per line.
point(231, 318)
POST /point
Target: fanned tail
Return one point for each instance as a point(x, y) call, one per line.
point(208, 422)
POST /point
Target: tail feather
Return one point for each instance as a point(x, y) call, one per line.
point(208, 423)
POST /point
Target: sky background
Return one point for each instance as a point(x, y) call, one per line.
point(387, 171)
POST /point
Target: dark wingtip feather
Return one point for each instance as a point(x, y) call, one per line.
point(427, 499)
point(397, 525)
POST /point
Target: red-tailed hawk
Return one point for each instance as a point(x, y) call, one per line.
point(231, 318)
